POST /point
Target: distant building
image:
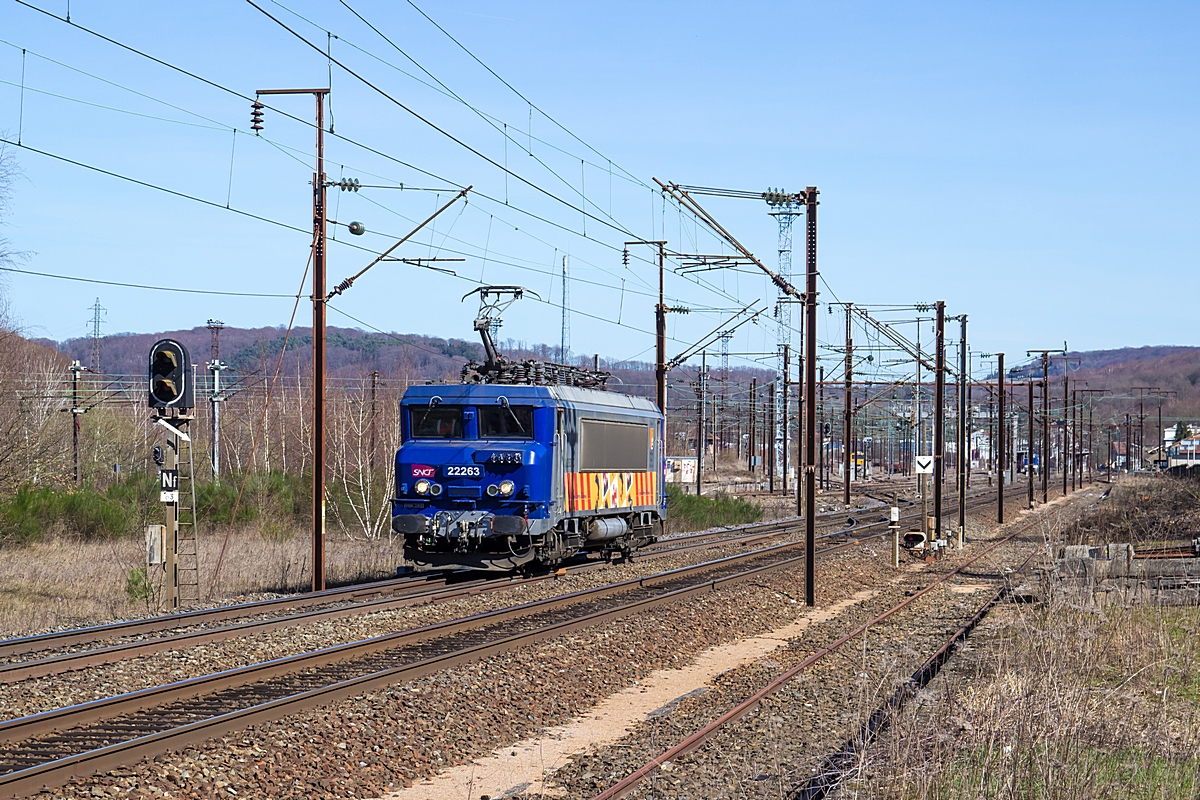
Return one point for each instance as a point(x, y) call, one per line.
point(1184, 453)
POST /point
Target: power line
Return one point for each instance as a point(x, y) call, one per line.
point(218, 127)
point(503, 131)
point(442, 88)
point(247, 214)
point(206, 81)
point(214, 126)
point(141, 285)
point(513, 89)
point(439, 129)
point(348, 140)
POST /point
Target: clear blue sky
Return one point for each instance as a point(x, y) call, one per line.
point(1033, 164)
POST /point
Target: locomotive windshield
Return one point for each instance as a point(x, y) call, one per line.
point(506, 422)
point(436, 422)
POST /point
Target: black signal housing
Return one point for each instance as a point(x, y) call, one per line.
point(171, 376)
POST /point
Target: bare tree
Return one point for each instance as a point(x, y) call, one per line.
point(9, 256)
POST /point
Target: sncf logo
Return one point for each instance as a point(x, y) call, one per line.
point(422, 471)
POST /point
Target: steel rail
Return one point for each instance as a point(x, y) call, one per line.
point(698, 738)
point(33, 777)
point(66, 638)
point(14, 671)
point(136, 627)
point(23, 646)
point(838, 765)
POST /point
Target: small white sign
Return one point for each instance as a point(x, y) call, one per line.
point(895, 514)
point(155, 534)
point(924, 465)
point(168, 497)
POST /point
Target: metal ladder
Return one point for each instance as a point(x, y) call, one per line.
point(187, 565)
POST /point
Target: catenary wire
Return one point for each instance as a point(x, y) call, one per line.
point(523, 97)
point(307, 123)
point(142, 285)
point(616, 227)
point(211, 83)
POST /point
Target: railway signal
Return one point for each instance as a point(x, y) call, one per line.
point(170, 384)
point(171, 395)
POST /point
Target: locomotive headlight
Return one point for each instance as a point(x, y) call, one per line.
point(435, 489)
point(506, 488)
point(422, 486)
point(493, 490)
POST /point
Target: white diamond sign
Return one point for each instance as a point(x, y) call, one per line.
point(924, 465)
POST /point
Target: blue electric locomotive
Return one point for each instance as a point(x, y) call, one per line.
point(501, 477)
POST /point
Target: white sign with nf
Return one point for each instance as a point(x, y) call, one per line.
point(168, 484)
point(924, 465)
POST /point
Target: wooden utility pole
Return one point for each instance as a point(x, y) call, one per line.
point(318, 334)
point(810, 406)
point(847, 411)
point(939, 417)
point(1003, 429)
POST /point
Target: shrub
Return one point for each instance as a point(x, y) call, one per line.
point(86, 513)
point(689, 512)
point(283, 496)
point(139, 587)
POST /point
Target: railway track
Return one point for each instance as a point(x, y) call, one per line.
point(837, 763)
point(49, 748)
point(207, 616)
point(197, 628)
point(413, 585)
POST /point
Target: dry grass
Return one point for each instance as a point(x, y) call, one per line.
point(62, 582)
point(1142, 510)
point(1058, 701)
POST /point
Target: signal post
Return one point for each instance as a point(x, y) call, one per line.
point(172, 397)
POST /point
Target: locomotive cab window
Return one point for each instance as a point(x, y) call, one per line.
point(506, 422)
point(436, 422)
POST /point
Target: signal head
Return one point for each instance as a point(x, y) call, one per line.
point(170, 380)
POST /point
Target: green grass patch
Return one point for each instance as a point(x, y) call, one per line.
point(1069, 770)
point(689, 512)
point(281, 496)
point(32, 512)
point(276, 500)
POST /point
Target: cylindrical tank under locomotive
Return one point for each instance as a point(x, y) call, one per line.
point(498, 477)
